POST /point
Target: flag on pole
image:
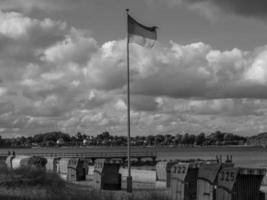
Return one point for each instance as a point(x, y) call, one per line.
point(145, 36)
point(140, 34)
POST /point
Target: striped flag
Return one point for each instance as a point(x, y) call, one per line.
point(140, 34)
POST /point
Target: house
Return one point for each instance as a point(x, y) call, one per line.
point(60, 141)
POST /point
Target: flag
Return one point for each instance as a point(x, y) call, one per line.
point(140, 34)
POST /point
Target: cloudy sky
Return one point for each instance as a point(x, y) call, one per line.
point(63, 67)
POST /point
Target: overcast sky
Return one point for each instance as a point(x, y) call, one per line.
point(63, 67)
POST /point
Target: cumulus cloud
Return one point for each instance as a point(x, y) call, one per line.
point(139, 103)
point(211, 8)
point(36, 82)
point(197, 70)
point(20, 28)
point(54, 75)
point(144, 103)
point(228, 107)
point(23, 40)
point(77, 47)
point(47, 5)
point(255, 8)
point(107, 69)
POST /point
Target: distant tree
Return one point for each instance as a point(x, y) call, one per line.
point(106, 135)
point(79, 136)
point(50, 136)
point(218, 136)
point(159, 139)
point(48, 143)
point(29, 140)
point(200, 139)
point(168, 139)
point(150, 140)
point(38, 138)
point(185, 138)
point(228, 137)
point(120, 141)
point(178, 139)
point(103, 136)
point(191, 139)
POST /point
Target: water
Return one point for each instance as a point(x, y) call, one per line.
point(242, 156)
point(255, 157)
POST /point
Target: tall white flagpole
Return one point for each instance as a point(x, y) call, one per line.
point(129, 177)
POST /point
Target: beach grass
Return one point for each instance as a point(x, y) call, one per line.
point(37, 184)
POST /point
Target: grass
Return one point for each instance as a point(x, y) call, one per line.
point(25, 177)
point(71, 192)
point(36, 184)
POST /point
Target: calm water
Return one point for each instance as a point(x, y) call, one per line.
point(242, 156)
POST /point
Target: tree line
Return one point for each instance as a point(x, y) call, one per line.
point(51, 139)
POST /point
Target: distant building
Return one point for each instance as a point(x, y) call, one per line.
point(259, 140)
point(34, 144)
point(85, 142)
point(60, 141)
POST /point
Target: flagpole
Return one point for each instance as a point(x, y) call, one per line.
point(129, 178)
